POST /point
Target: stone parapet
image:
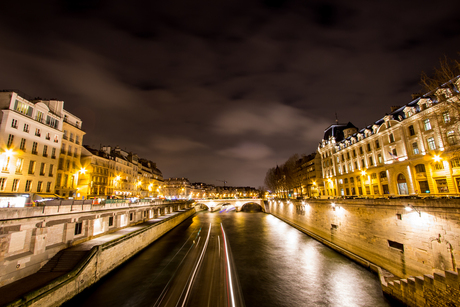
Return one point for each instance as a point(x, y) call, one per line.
point(100, 261)
point(30, 236)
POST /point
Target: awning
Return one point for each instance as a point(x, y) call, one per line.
point(44, 196)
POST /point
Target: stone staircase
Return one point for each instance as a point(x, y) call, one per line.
point(63, 261)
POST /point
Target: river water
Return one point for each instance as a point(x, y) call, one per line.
point(276, 264)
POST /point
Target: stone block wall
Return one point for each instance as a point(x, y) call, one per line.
point(439, 289)
point(419, 242)
point(30, 236)
point(102, 260)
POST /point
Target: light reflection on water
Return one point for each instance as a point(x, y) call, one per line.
point(280, 266)
point(277, 265)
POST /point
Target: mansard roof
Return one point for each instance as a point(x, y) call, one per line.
point(336, 130)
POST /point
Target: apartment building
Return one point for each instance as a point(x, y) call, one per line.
point(30, 139)
point(414, 150)
point(69, 165)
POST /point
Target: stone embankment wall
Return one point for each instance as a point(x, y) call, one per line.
point(30, 236)
point(423, 242)
point(101, 260)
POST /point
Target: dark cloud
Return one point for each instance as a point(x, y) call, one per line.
point(222, 89)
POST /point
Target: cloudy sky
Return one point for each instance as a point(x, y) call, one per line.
point(222, 90)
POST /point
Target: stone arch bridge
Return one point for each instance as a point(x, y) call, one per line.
point(238, 204)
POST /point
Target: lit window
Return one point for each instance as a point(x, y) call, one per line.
point(446, 117)
point(427, 124)
point(415, 148)
point(431, 143)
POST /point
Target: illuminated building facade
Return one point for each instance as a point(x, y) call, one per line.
point(177, 188)
point(116, 173)
point(30, 140)
point(311, 175)
point(96, 175)
point(69, 164)
point(414, 150)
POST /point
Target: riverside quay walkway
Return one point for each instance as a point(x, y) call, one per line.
point(56, 271)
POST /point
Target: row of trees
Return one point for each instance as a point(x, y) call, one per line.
point(285, 179)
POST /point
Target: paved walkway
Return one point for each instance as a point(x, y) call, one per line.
point(71, 257)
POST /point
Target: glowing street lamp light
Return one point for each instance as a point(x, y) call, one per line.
point(437, 158)
point(409, 208)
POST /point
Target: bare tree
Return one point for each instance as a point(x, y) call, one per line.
point(448, 70)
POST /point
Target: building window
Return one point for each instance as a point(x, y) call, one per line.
point(28, 187)
point(379, 157)
point(442, 186)
point(415, 148)
point(346, 180)
point(396, 245)
point(348, 155)
point(10, 141)
point(354, 153)
point(58, 179)
point(69, 152)
point(65, 137)
point(110, 221)
point(39, 186)
point(424, 188)
point(2, 183)
point(383, 175)
point(45, 151)
point(37, 132)
point(455, 162)
point(14, 123)
point(391, 137)
point(48, 136)
point(411, 130)
point(26, 128)
point(66, 178)
point(48, 187)
point(19, 164)
point(15, 185)
point(78, 228)
point(42, 169)
point(361, 150)
point(67, 165)
point(23, 108)
point(368, 147)
point(420, 168)
point(53, 153)
point(374, 175)
point(22, 146)
point(77, 139)
point(427, 124)
point(395, 153)
point(34, 148)
point(377, 144)
point(438, 166)
point(39, 117)
point(431, 144)
point(451, 137)
point(446, 117)
point(352, 180)
point(371, 161)
point(51, 170)
point(61, 163)
point(31, 167)
point(6, 163)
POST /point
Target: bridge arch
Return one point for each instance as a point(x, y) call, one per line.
point(252, 207)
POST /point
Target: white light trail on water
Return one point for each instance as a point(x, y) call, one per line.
point(197, 266)
point(228, 265)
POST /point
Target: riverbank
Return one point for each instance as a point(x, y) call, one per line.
point(103, 254)
point(383, 237)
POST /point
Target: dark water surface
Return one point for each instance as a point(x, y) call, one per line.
point(277, 265)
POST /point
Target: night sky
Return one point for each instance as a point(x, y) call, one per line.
point(222, 89)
